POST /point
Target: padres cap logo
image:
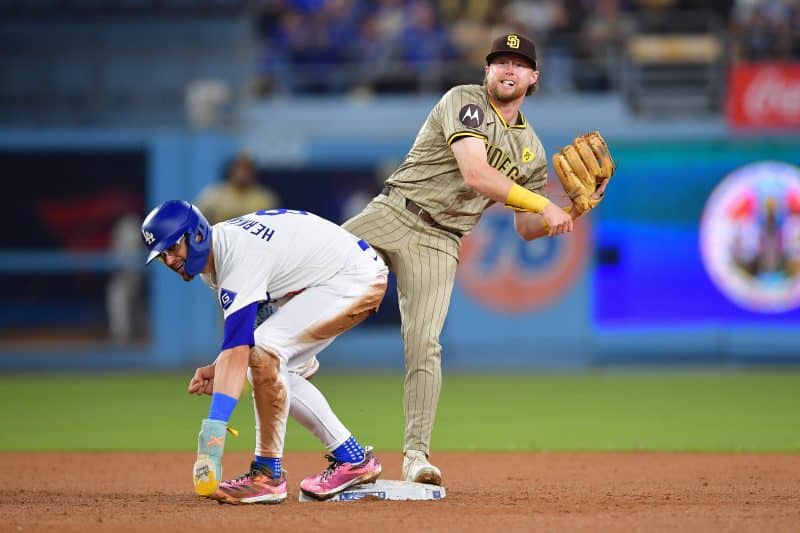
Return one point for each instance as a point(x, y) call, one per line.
point(513, 43)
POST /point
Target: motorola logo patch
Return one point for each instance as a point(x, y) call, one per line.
point(471, 116)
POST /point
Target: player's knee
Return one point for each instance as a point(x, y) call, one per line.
point(265, 366)
point(269, 388)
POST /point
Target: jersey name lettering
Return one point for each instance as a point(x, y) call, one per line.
point(500, 161)
point(254, 227)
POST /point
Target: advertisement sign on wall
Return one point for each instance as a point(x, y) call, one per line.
point(504, 273)
point(750, 236)
point(764, 95)
point(740, 199)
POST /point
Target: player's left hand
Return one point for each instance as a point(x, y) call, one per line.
point(601, 190)
point(203, 381)
point(584, 168)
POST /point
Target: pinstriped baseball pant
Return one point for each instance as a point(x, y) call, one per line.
point(424, 261)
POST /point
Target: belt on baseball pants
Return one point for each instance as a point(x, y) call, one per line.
point(423, 215)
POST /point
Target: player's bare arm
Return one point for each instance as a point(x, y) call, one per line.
point(531, 226)
point(230, 371)
point(470, 154)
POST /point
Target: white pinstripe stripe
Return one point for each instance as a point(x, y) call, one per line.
point(424, 262)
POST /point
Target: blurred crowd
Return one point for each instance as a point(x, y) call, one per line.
point(766, 29)
point(329, 46)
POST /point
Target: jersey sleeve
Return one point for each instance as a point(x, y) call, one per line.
point(239, 285)
point(462, 114)
point(239, 327)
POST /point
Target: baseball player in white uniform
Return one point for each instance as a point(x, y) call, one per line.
point(325, 281)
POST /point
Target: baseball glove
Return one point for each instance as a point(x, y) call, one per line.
point(582, 166)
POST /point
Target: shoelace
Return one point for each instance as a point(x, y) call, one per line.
point(335, 464)
point(253, 472)
point(332, 467)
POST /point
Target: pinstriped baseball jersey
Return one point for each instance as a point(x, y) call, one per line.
point(424, 258)
point(429, 175)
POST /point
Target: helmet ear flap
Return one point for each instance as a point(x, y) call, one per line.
point(199, 242)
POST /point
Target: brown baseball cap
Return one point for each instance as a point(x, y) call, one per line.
point(513, 43)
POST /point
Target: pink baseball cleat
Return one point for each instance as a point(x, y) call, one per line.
point(339, 476)
point(256, 486)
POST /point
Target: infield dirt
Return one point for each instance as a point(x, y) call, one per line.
point(485, 492)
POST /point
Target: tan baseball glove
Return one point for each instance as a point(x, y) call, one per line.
point(583, 167)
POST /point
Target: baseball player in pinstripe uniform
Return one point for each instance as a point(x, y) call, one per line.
point(475, 148)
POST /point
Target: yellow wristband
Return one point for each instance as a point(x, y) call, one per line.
point(522, 199)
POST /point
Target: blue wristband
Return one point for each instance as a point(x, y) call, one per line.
point(222, 406)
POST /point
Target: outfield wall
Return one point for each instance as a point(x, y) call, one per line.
point(630, 286)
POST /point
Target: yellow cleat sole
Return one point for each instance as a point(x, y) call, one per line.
point(205, 477)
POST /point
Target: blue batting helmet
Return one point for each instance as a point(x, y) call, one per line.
point(170, 221)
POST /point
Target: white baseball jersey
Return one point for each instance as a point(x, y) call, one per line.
point(271, 254)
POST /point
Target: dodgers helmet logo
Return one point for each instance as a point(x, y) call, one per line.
point(505, 273)
point(226, 298)
point(149, 238)
point(750, 237)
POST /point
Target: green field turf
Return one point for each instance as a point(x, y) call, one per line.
point(658, 410)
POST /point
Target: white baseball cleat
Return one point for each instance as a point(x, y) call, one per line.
point(418, 469)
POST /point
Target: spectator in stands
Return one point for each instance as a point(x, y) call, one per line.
point(794, 34)
point(755, 39)
point(309, 46)
point(412, 46)
point(273, 69)
point(761, 30)
point(124, 303)
point(548, 21)
point(469, 36)
point(239, 192)
point(372, 53)
point(537, 17)
point(390, 16)
point(470, 24)
point(426, 45)
point(409, 45)
point(599, 45)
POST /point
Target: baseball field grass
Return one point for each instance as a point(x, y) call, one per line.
point(653, 410)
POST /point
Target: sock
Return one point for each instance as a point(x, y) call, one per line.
point(222, 406)
point(273, 463)
point(349, 452)
point(310, 408)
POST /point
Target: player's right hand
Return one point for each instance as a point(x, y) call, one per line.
point(558, 221)
point(203, 381)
